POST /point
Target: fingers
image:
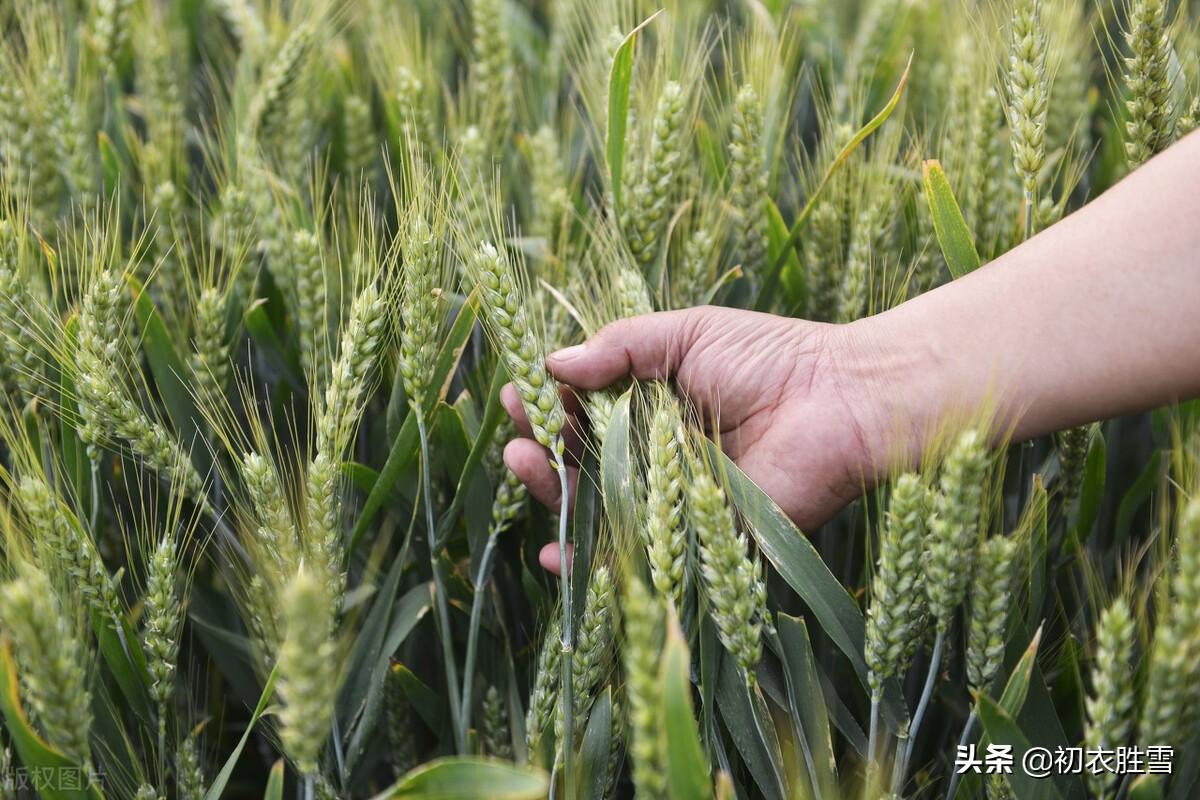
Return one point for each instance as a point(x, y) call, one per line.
point(648, 347)
point(530, 462)
point(548, 558)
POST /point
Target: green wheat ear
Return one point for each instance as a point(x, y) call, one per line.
point(644, 629)
point(503, 306)
point(543, 699)
point(307, 670)
point(1112, 703)
point(896, 616)
point(649, 198)
point(1147, 76)
point(666, 528)
point(189, 773)
point(733, 582)
point(1171, 692)
point(51, 658)
point(592, 649)
point(990, 598)
point(954, 527)
point(420, 310)
point(163, 618)
point(748, 178)
point(496, 736)
point(1028, 92)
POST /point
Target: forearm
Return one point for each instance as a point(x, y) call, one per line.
point(1095, 317)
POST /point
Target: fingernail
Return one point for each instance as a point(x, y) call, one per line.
point(568, 353)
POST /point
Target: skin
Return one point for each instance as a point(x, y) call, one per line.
point(1095, 317)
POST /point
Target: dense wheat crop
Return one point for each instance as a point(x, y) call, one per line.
point(265, 266)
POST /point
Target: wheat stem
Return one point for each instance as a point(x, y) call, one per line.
point(439, 588)
point(935, 663)
point(963, 741)
point(482, 578)
point(566, 668)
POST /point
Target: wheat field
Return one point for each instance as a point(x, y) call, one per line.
point(266, 265)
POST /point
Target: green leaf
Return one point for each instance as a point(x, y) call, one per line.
point(217, 789)
point(809, 708)
point(953, 235)
point(793, 277)
point(1002, 729)
point(1017, 687)
point(585, 525)
point(1091, 492)
point(1011, 702)
point(170, 376)
point(275, 782)
point(122, 651)
point(616, 474)
point(620, 79)
point(687, 771)
point(1135, 496)
point(711, 151)
point(1146, 787)
point(1036, 521)
point(258, 324)
point(757, 744)
point(483, 440)
point(34, 752)
point(425, 701)
point(799, 563)
point(406, 444)
point(766, 295)
point(594, 753)
point(387, 625)
point(469, 779)
point(111, 162)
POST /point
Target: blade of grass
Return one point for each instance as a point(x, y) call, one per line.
point(217, 789)
point(767, 294)
point(620, 79)
point(953, 235)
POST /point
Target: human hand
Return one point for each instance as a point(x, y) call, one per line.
point(804, 409)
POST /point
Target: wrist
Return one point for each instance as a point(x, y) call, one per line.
point(893, 383)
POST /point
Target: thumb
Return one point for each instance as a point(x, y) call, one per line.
point(646, 347)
